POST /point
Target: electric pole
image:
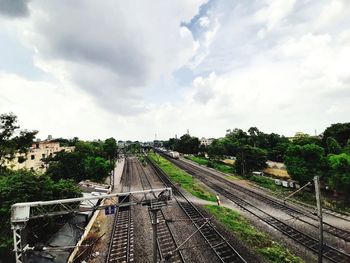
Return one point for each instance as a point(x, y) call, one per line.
point(319, 214)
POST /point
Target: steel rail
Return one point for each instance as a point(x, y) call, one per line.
point(294, 212)
point(223, 250)
point(166, 240)
point(121, 247)
point(309, 242)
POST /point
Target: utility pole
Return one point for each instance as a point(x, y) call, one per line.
point(319, 214)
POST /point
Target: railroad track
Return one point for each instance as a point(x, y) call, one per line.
point(309, 242)
point(292, 211)
point(166, 240)
point(219, 245)
point(121, 247)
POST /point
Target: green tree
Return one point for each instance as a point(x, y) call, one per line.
point(277, 153)
point(216, 150)
point(110, 148)
point(347, 147)
point(333, 146)
point(133, 148)
point(10, 143)
point(339, 174)
point(306, 139)
point(187, 144)
point(67, 165)
point(250, 159)
point(26, 186)
point(79, 164)
point(339, 131)
point(97, 168)
point(303, 162)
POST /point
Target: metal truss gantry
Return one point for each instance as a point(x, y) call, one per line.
point(21, 213)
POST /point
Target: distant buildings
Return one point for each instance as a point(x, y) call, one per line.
point(38, 151)
point(205, 141)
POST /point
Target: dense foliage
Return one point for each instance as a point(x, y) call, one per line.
point(25, 186)
point(305, 162)
point(186, 144)
point(339, 175)
point(304, 156)
point(339, 131)
point(250, 159)
point(12, 139)
point(89, 160)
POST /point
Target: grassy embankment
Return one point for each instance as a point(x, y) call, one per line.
point(259, 241)
point(185, 180)
point(277, 190)
point(225, 168)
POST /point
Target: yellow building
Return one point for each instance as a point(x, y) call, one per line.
point(36, 153)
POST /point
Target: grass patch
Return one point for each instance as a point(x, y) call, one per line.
point(260, 242)
point(232, 177)
point(264, 182)
point(185, 180)
point(279, 191)
point(220, 166)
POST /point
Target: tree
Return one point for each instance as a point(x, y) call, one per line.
point(339, 174)
point(26, 186)
point(277, 153)
point(187, 144)
point(303, 162)
point(97, 168)
point(216, 150)
point(110, 149)
point(333, 146)
point(10, 144)
point(90, 160)
point(306, 139)
point(66, 165)
point(339, 131)
point(250, 159)
point(347, 147)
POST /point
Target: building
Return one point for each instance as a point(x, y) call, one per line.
point(38, 151)
point(205, 142)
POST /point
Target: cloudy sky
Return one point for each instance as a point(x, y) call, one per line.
point(133, 69)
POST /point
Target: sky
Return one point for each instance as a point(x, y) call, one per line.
point(140, 70)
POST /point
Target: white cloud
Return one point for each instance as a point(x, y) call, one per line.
point(273, 14)
point(111, 49)
point(204, 21)
point(280, 66)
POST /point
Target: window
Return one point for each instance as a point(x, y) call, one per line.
point(37, 145)
point(43, 155)
point(32, 157)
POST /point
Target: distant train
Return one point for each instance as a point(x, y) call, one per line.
point(172, 154)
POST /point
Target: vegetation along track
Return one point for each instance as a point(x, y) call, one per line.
point(121, 247)
point(166, 241)
point(292, 211)
point(223, 250)
point(309, 242)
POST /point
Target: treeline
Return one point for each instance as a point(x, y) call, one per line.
point(89, 160)
point(327, 155)
point(186, 144)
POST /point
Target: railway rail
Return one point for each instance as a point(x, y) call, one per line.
point(309, 242)
point(292, 211)
point(166, 240)
point(121, 247)
point(219, 245)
